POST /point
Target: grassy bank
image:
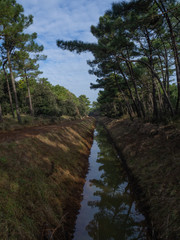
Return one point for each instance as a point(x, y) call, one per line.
point(152, 154)
point(9, 123)
point(41, 179)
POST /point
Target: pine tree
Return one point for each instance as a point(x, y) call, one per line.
point(131, 39)
point(27, 66)
point(13, 23)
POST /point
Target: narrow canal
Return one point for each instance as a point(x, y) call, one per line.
point(108, 210)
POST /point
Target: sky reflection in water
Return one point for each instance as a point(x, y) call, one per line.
point(108, 211)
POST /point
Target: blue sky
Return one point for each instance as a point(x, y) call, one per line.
point(67, 20)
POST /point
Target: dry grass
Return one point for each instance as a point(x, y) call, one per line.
point(152, 152)
point(40, 176)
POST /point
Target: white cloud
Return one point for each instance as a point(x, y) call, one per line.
point(67, 20)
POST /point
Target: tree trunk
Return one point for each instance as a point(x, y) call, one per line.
point(130, 92)
point(151, 108)
point(167, 73)
point(160, 64)
point(14, 88)
point(9, 91)
point(1, 118)
point(155, 108)
point(174, 48)
point(150, 59)
point(166, 66)
point(160, 100)
point(124, 98)
point(131, 72)
point(165, 79)
point(29, 95)
point(141, 111)
point(158, 79)
point(162, 86)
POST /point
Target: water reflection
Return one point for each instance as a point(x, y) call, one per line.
point(108, 211)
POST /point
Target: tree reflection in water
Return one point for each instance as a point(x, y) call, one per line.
point(117, 217)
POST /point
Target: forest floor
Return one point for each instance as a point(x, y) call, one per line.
point(42, 173)
point(152, 155)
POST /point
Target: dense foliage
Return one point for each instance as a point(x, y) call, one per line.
point(136, 59)
point(22, 90)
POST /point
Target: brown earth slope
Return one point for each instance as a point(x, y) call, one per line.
point(152, 154)
point(42, 171)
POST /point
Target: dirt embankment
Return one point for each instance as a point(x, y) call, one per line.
point(42, 172)
point(152, 154)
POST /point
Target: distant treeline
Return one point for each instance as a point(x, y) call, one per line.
point(22, 90)
point(136, 59)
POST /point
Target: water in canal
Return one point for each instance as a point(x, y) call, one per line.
point(108, 210)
